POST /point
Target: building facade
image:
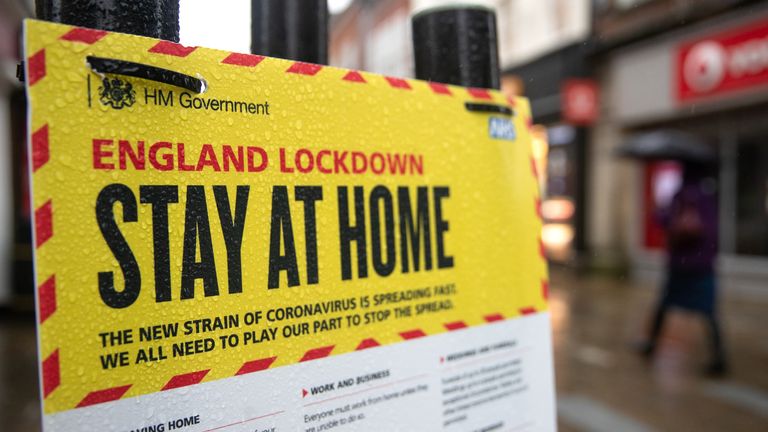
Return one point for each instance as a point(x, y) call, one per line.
point(544, 47)
point(696, 66)
point(374, 36)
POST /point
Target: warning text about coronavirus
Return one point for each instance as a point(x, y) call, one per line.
point(159, 341)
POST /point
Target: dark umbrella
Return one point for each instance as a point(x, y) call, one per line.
point(667, 145)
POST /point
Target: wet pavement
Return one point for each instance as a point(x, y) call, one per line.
point(602, 384)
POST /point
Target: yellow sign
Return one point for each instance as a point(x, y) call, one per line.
point(288, 212)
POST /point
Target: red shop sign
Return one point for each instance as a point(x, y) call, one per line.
point(579, 101)
point(721, 63)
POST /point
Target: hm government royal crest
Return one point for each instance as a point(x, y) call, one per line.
point(117, 93)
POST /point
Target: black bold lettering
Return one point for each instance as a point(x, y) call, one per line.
point(310, 195)
point(381, 195)
point(414, 231)
point(105, 216)
point(159, 197)
point(232, 228)
point(281, 224)
point(197, 230)
point(441, 227)
point(348, 234)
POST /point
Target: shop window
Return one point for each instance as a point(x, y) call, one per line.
point(559, 194)
point(752, 197)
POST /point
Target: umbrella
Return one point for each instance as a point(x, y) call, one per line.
point(667, 145)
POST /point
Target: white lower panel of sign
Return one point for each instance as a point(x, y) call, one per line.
point(496, 377)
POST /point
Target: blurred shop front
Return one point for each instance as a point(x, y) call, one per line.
point(564, 104)
point(709, 79)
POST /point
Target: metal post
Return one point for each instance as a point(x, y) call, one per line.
point(290, 29)
point(457, 45)
point(153, 18)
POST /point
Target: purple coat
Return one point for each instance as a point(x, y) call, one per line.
point(691, 222)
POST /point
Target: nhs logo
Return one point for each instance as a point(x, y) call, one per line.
point(501, 128)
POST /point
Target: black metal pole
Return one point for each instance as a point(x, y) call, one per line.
point(290, 29)
point(457, 45)
point(153, 18)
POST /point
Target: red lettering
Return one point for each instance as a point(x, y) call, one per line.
point(262, 155)
point(377, 157)
point(137, 159)
point(167, 158)
point(208, 158)
point(99, 153)
point(230, 157)
point(396, 163)
point(418, 163)
point(164, 157)
point(338, 162)
point(310, 161)
point(284, 168)
point(359, 168)
point(182, 163)
point(320, 166)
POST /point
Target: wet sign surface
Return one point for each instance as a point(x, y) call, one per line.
point(297, 247)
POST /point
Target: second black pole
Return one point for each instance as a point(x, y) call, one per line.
point(290, 29)
point(457, 45)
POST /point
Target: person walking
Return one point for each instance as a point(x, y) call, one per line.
point(691, 224)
